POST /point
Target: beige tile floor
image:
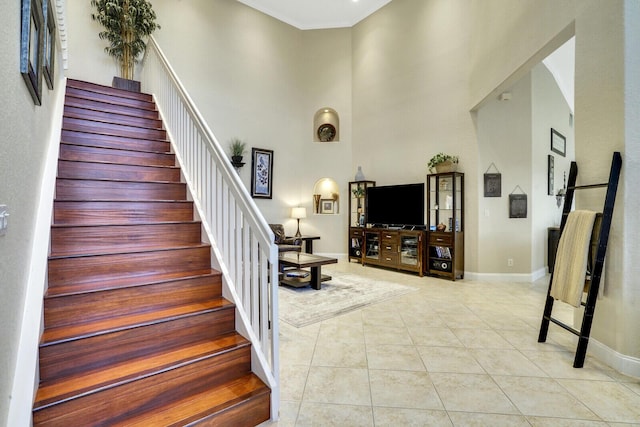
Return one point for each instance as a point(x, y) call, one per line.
point(458, 353)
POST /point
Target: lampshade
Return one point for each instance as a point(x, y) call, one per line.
point(298, 213)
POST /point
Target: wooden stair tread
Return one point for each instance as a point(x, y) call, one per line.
point(80, 169)
point(201, 405)
point(87, 153)
point(69, 239)
point(95, 87)
point(129, 251)
point(78, 331)
point(117, 150)
point(111, 99)
point(123, 117)
point(96, 286)
point(65, 388)
point(73, 137)
point(108, 119)
point(109, 212)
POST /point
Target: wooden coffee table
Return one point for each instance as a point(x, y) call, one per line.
point(301, 260)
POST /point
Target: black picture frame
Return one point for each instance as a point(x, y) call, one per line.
point(550, 174)
point(261, 173)
point(492, 185)
point(31, 38)
point(49, 47)
point(558, 143)
point(517, 205)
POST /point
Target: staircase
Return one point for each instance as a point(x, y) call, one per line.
point(136, 331)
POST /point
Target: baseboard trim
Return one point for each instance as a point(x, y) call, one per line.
point(622, 363)
point(506, 277)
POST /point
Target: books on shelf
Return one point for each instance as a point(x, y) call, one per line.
point(443, 252)
point(297, 273)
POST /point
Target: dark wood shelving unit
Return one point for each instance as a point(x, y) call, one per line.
point(444, 255)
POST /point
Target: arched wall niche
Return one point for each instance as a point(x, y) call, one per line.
point(326, 197)
point(326, 125)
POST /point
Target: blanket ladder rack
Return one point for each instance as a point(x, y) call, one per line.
point(596, 267)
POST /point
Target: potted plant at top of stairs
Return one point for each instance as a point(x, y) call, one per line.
point(126, 23)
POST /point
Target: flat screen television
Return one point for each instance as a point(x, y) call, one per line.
point(396, 205)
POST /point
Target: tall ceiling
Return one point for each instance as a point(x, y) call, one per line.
point(317, 14)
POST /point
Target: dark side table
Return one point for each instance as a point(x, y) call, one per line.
point(308, 242)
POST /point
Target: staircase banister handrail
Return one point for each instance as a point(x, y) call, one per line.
point(236, 186)
point(243, 244)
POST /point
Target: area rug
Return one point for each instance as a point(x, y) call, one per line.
point(342, 294)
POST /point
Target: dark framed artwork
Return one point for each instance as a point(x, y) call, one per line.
point(517, 205)
point(550, 175)
point(558, 143)
point(261, 173)
point(492, 185)
point(31, 39)
point(49, 48)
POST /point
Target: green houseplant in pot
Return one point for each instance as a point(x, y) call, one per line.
point(442, 163)
point(127, 23)
point(237, 148)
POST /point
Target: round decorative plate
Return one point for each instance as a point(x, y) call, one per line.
point(326, 132)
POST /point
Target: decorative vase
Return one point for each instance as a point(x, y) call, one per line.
point(446, 166)
point(359, 174)
point(316, 203)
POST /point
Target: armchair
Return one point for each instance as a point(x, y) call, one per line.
point(284, 243)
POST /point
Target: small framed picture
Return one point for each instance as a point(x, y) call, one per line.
point(327, 206)
point(558, 143)
point(517, 205)
point(261, 173)
point(492, 185)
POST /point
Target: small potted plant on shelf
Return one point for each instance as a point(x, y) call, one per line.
point(126, 24)
point(358, 192)
point(237, 148)
point(442, 163)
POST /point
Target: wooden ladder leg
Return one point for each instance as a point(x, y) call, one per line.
point(603, 239)
point(544, 326)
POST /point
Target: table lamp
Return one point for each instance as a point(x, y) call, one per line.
point(298, 213)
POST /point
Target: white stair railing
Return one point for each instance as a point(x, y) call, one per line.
point(241, 240)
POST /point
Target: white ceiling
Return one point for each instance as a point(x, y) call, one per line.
point(317, 14)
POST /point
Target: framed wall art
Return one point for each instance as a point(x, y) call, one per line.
point(327, 206)
point(261, 173)
point(558, 143)
point(31, 40)
point(49, 48)
point(517, 204)
point(492, 182)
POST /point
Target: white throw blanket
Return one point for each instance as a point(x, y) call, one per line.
point(571, 259)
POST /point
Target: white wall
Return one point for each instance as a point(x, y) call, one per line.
point(505, 139)
point(25, 135)
point(549, 110)
point(411, 99)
